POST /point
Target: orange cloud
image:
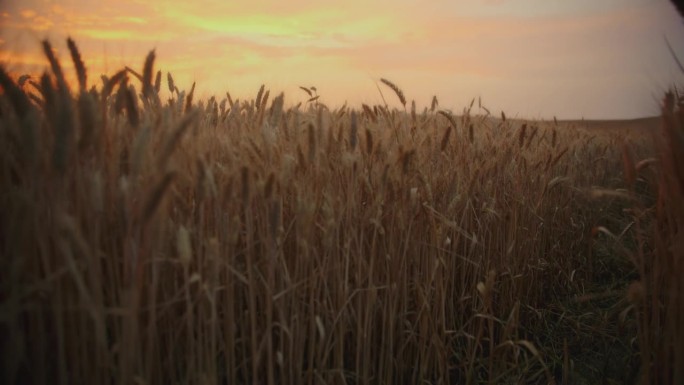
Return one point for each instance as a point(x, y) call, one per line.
point(28, 13)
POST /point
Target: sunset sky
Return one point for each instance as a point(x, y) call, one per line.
point(529, 58)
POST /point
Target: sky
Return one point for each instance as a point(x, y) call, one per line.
point(533, 59)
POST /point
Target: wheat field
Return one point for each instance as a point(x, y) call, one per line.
point(151, 238)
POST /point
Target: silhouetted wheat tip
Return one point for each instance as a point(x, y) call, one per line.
point(157, 82)
point(188, 99)
point(54, 64)
point(112, 82)
point(369, 113)
point(264, 100)
point(23, 79)
point(308, 91)
point(277, 110)
point(396, 90)
point(147, 74)
point(258, 97)
point(434, 104)
point(134, 73)
point(486, 110)
point(169, 80)
point(449, 117)
point(19, 100)
point(78, 64)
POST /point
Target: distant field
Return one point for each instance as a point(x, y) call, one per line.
point(642, 124)
point(150, 238)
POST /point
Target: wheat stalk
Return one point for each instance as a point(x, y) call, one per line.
point(157, 82)
point(78, 64)
point(17, 97)
point(56, 67)
point(396, 90)
point(188, 99)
